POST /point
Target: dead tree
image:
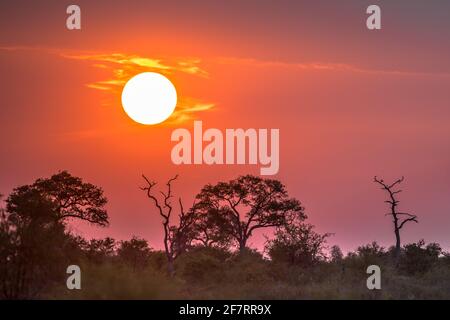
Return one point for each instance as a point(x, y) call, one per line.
point(399, 218)
point(176, 237)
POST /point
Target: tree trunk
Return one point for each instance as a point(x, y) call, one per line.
point(242, 244)
point(170, 267)
point(397, 246)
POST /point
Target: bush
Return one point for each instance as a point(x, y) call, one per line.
point(202, 264)
point(366, 255)
point(246, 266)
point(417, 258)
point(134, 253)
point(114, 281)
point(297, 244)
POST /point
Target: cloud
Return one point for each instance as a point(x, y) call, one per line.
point(124, 66)
point(191, 66)
point(186, 110)
point(319, 66)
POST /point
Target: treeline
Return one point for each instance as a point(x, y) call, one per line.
point(205, 251)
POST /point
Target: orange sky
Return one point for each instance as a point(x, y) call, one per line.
point(349, 103)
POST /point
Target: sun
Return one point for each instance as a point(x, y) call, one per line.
point(149, 98)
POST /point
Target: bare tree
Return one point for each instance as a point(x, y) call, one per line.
point(399, 218)
point(176, 238)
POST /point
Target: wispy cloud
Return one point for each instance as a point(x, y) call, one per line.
point(187, 109)
point(192, 66)
point(320, 66)
point(123, 66)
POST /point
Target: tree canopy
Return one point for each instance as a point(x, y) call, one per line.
point(65, 196)
point(248, 203)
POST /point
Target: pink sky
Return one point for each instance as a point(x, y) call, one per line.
point(350, 104)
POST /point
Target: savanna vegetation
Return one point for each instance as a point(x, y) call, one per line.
point(205, 248)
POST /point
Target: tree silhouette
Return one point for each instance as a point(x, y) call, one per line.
point(69, 197)
point(33, 240)
point(29, 256)
point(99, 250)
point(297, 244)
point(336, 254)
point(134, 252)
point(210, 228)
point(248, 203)
point(176, 237)
point(398, 221)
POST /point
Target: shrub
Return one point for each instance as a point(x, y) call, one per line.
point(202, 264)
point(297, 244)
point(418, 258)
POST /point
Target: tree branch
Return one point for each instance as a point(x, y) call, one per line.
point(414, 218)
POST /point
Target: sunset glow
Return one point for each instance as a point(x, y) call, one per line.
point(221, 150)
point(349, 102)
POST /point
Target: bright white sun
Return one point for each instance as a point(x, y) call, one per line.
point(149, 98)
